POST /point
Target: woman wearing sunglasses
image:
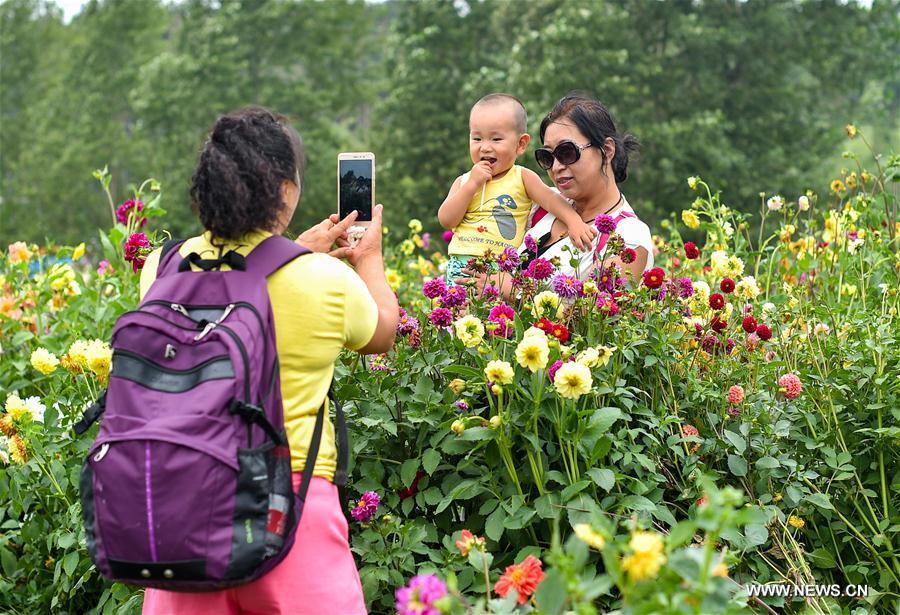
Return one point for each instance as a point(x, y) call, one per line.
point(587, 159)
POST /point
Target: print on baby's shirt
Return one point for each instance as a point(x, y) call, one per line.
point(499, 207)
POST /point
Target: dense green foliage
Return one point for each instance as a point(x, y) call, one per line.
point(749, 93)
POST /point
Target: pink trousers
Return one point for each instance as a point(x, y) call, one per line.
point(317, 576)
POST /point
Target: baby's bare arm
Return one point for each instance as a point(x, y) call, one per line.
point(554, 202)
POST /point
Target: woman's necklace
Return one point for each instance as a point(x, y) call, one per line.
point(616, 204)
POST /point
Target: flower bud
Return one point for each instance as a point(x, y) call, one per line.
point(458, 427)
point(496, 421)
point(457, 385)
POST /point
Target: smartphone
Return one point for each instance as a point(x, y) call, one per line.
point(356, 190)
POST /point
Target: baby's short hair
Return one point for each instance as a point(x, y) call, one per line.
point(521, 117)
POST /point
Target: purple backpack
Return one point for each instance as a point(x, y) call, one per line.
point(188, 483)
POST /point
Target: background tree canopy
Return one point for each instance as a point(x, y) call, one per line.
point(752, 95)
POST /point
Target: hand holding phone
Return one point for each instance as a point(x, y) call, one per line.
point(356, 190)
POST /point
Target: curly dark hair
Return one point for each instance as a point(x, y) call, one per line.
point(594, 120)
point(236, 187)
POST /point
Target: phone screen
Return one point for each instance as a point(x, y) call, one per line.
point(356, 188)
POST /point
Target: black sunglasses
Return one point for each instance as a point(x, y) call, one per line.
point(567, 152)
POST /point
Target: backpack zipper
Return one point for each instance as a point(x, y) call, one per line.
point(234, 336)
point(183, 309)
point(146, 361)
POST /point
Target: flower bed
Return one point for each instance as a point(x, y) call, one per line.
point(647, 445)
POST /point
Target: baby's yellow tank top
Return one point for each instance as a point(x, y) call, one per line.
point(495, 221)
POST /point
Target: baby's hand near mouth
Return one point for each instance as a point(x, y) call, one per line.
point(481, 173)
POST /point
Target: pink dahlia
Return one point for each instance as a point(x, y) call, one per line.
point(567, 286)
point(735, 394)
point(490, 292)
point(508, 260)
point(136, 249)
point(503, 315)
point(606, 304)
point(420, 595)
point(453, 296)
point(539, 269)
point(434, 288)
point(366, 507)
point(605, 223)
point(441, 317)
point(125, 209)
point(790, 385)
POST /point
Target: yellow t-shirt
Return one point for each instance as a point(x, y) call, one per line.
point(320, 306)
point(498, 221)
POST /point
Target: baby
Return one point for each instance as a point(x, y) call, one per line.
point(488, 207)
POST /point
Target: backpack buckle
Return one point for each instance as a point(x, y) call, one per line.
point(248, 412)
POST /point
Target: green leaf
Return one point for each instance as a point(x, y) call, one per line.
point(571, 490)
point(493, 525)
point(756, 535)
point(739, 443)
point(821, 500)
point(465, 490)
point(604, 478)
point(822, 558)
point(473, 434)
point(737, 465)
point(767, 463)
point(551, 593)
point(477, 559)
point(602, 419)
point(680, 534)
point(66, 540)
point(408, 471)
point(70, 562)
point(430, 461)
point(637, 502)
point(544, 506)
point(7, 561)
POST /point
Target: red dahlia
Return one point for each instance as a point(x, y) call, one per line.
point(727, 285)
point(653, 278)
point(764, 332)
point(717, 324)
point(691, 250)
point(716, 301)
point(560, 332)
point(749, 324)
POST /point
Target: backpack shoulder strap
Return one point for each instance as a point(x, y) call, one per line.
point(273, 253)
point(167, 256)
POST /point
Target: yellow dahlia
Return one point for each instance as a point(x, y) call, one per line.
point(690, 219)
point(469, 330)
point(589, 536)
point(572, 380)
point(44, 361)
point(499, 372)
point(647, 556)
point(533, 353)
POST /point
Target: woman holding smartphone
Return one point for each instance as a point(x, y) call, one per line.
point(245, 188)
